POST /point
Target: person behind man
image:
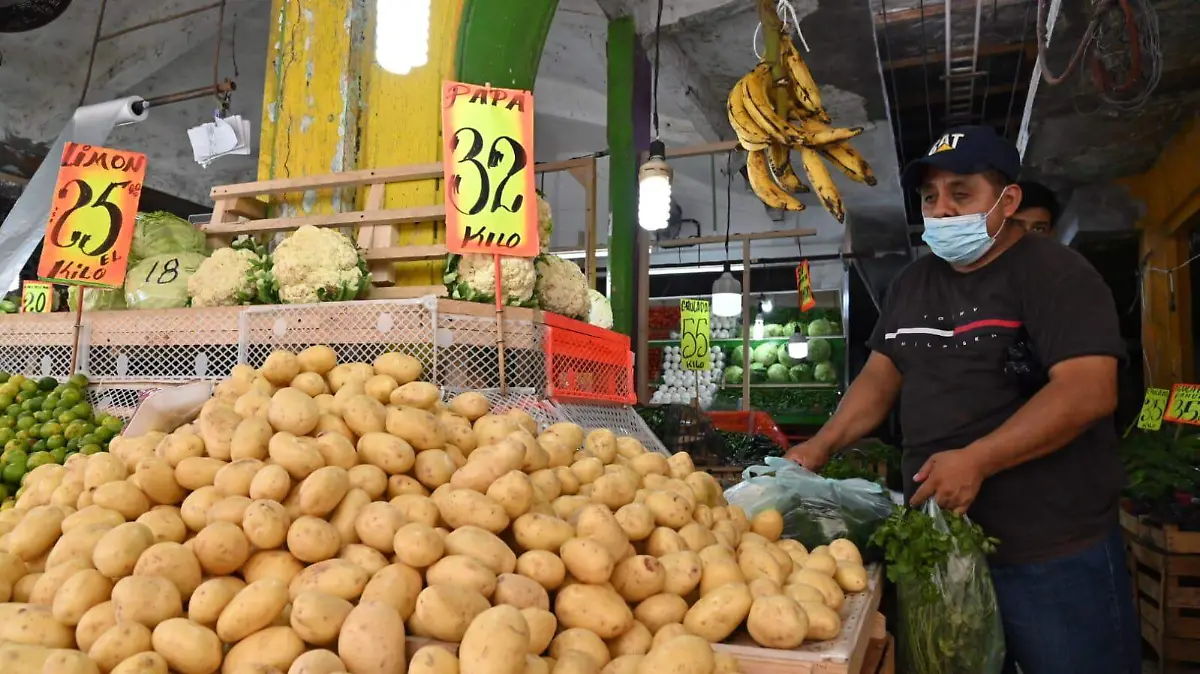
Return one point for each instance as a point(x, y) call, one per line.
point(1039, 210)
point(1002, 349)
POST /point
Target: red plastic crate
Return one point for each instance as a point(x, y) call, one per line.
point(584, 362)
point(753, 422)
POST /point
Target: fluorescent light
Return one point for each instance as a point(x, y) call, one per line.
point(580, 254)
point(797, 345)
point(766, 304)
point(401, 34)
point(694, 269)
point(727, 295)
point(654, 190)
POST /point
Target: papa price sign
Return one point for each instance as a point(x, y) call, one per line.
point(491, 198)
point(92, 216)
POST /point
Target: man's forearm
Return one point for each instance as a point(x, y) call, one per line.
point(865, 406)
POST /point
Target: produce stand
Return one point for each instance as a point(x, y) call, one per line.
point(1164, 562)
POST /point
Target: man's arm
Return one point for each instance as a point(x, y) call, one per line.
point(1081, 391)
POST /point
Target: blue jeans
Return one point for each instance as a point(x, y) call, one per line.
point(1072, 615)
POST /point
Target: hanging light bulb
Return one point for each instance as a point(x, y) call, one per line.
point(765, 304)
point(401, 34)
point(654, 189)
point(727, 295)
point(798, 345)
point(758, 330)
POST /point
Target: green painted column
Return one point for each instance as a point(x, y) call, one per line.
point(500, 42)
point(622, 180)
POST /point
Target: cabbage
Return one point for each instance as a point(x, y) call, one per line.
point(96, 299)
point(801, 373)
point(782, 354)
point(758, 373)
point(764, 354)
point(825, 374)
point(819, 350)
point(773, 330)
point(160, 282)
point(733, 374)
point(737, 355)
point(820, 328)
point(159, 233)
point(777, 374)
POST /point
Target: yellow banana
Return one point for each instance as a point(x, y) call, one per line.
point(762, 109)
point(748, 133)
point(780, 157)
point(822, 183)
point(849, 161)
point(804, 87)
point(816, 133)
point(763, 183)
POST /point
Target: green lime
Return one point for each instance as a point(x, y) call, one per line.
point(16, 456)
point(47, 383)
point(114, 424)
point(29, 386)
point(39, 458)
point(66, 417)
point(80, 380)
point(16, 379)
point(102, 433)
point(3, 493)
point(13, 410)
point(25, 422)
point(74, 430)
point(4, 377)
point(90, 439)
point(72, 444)
point(56, 441)
point(39, 446)
point(42, 416)
point(13, 445)
point(70, 396)
point(34, 431)
point(6, 434)
point(59, 455)
point(50, 429)
point(7, 421)
point(30, 405)
point(5, 400)
point(22, 436)
point(83, 410)
point(91, 449)
point(22, 397)
point(48, 405)
point(13, 473)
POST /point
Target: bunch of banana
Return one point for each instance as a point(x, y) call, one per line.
point(769, 136)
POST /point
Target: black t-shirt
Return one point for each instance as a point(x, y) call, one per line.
point(948, 333)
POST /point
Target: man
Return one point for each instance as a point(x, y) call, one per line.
point(1035, 466)
point(1039, 209)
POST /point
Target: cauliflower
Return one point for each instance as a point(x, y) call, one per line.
point(545, 224)
point(472, 277)
point(226, 278)
point(562, 287)
point(316, 264)
point(601, 313)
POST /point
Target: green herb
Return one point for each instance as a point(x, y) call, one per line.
point(870, 460)
point(1160, 463)
point(949, 620)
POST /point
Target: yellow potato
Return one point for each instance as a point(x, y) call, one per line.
point(217, 423)
point(596, 521)
point(252, 609)
point(595, 608)
point(851, 577)
point(681, 572)
point(292, 411)
point(49, 583)
point(834, 597)
point(95, 622)
point(221, 548)
point(92, 514)
point(444, 612)
point(388, 452)
point(173, 562)
point(85, 589)
point(332, 576)
point(777, 622)
point(534, 531)
point(719, 573)
point(372, 639)
point(419, 394)
point(396, 585)
point(669, 509)
point(624, 664)
point(401, 367)
point(318, 617)
point(337, 447)
point(370, 559)
point(464, 507)
point(823, 622)
point(844, 550)
point(520, 591)
point(266, 524)
point(638, 577)
point(371, 479)
point(542, 628)
point(298, 458)
point(513, 491)
point(311, 383)
point(142, 663)
point(326, 662)
point(148, 600)
point(211, 598)
point(582, 641)
point(280, 367)
point(587, 560)
point(37, 532)
point(822, 563)
point(230, 510)
point(418, 545)
point(271, 564)
point(716, 615)
point(755, 562)
point(312, 539)
point(320, 359)
point(471, 405)
point(119, 643)
point(434, 468)
point(417, 427)
point(401, 485)
point(636, 520)
point(79, 542)
point(269, 650)
point(768, 524)
point(272, 482)
point(685, 654)
point(346, 514)
point(195, 472)
point(664, 541)
point(234, 479)
point(543, 566)
point(496, 642)
point(156, 478)
point(433, 660)
point(33, 626)
point(462, 571)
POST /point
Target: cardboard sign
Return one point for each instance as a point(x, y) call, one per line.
point(36, 297)
point(491, 198)
point(1184, 405)
point(697, 333)
point(92, 216)
point(804, 287)
point(1153, 408)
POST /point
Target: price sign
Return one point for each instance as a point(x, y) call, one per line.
point(36, 297)
point(491, 199)
point(804, 287)
point(1153, 408)
point(694, 343)
point(1184, 405)
point(92, 216)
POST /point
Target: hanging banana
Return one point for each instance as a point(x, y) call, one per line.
point(822, 183)
point(762, 181)
point(780, 157)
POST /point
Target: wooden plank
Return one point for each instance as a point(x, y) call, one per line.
point(329, 181)
point(405, 292)
point(245, 207)
point(756, 236)
point(429, 252)
point(348, 219)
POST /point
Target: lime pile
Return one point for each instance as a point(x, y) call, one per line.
point(45, 421)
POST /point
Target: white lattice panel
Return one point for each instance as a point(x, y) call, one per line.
point(357, 331)
point(118, 401)
point(620, 419)
point(36, 345)
point(171, 345)
point(543, 411)
point(468, 358)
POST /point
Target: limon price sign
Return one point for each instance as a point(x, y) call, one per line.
point(1153, 408)
point(697, 333)
point(36, 297)
point(491, 198)
point(92, 216)
point(1184, 405)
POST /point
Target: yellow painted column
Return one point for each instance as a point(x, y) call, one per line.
point(328, 107)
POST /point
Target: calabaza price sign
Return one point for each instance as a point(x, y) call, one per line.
point(1184, 405)
point(491, 198)
point(92, 216)
point(1154, 406)
point(694, 343)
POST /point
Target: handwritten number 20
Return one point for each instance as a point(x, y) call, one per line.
point(495, 158)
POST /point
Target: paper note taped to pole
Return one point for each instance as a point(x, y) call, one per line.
point(491, 197)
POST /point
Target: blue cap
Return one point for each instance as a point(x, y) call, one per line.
point(965, 150)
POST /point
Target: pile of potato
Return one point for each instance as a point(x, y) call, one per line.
point(315, 514)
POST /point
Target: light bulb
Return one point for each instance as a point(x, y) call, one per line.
point(401, 34)
point(654, 190)
point(767, 305)
point(797, 345)
point(727, 295)
point(757, 331)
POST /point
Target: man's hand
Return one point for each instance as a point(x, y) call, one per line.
point(811, 454)
point(951, 478)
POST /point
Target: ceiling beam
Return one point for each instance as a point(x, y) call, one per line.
point(933, 8)
point(939, 56)
point(918, 101)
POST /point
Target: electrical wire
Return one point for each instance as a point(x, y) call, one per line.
point(1128, 41)
point(728, 200)
point(1012, 98)
point(657, 42)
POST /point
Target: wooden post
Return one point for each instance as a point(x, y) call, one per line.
point(746, 324)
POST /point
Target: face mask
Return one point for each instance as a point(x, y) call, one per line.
point(962, 239)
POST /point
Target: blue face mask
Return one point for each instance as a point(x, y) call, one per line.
point(962, 239)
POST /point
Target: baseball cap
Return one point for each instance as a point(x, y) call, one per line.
point(965, 150)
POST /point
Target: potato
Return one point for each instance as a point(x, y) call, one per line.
point(636, 520)
point(370, 559)
point(331, 425)
point(195, 472)
point(764, 587)
point(292, 411)
point(79, 542)
point(156, 478)
point(718, 573)
point(211, 598)
point(370, 479)
point(681, 572)
point(434, 468)
point(542, 627)
point(92, 514)
point(37, 532)
point(534, 531)
point(64, 661)
point(756, 562)
point(685, 654)
point(250, 439)
point(24, 659)
point(404, 485)
point(95, 622)
point(33, 626)
point(851, 577)
point(596, 521)
point(416, 508)
point(669, 509)
point(568, 483)
point(768, 524)
point(543, 566)
point(625, 664)
point(372, 640)
point(520, 591)
point(119, 643)
point(495, 643)
point(637, 640)
point(221, 548)
point(326, 662)
point(391, 454)
point(419, 394)
point(281, 367)
point(332, 576)
point(266, 524)
point(320, 359)
point(844, 550)
point(217, 424)
point(417, 427)
point(823, 621)
point(464, 507)
point(800, 593)
point(471, 405)
point(346, 514)
point(234, 479)
point(777, 622)
point(148, 600)
point(433, 660)
point(142, 663)
point(583, 641)
point(462, 571)
point(417, 545)
point(822, 563)
point(252, 405)
point(83, 590)
point(269, 650)
point(22, 590)
point(593, 607)
point(401, 367)
point(396, 585)
point(317, 617)
point(587, 560)
point(444, 612)
point(298, 458)
point(272, 482)
point(568, 507)
point(173, 562)
point(830, 590)
point(321, 491)
point(311, 383)
point(196, 507)
point(513, 491)
point(271, 564)
point(638, 577)
point(103, 469)
point(716, 615)
point(312, 539)
point(659, 610)
point(252, 609)
point(49, 583)
point(587, 470)
point(229, 510)
point(668, 632)
point(575, 662)
point(664, 541)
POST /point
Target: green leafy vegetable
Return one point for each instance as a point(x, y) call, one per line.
point(825, 374)
point(159, 233)
point(819, 351)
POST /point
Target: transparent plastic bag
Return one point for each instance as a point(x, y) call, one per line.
point(815, 509)
point(950, 622)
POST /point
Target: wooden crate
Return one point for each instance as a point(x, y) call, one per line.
point(1166, 589)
